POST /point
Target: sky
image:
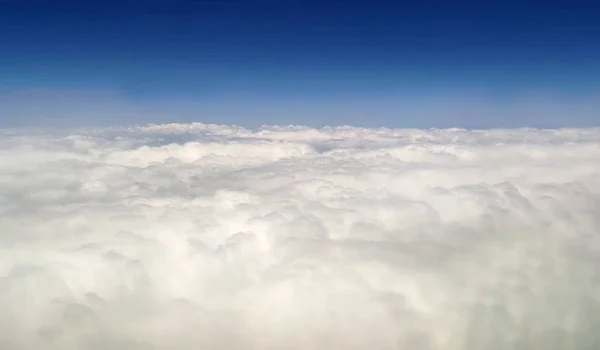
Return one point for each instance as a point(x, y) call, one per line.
point(473, 64)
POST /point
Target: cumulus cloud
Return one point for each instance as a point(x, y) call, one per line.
point(218, 237)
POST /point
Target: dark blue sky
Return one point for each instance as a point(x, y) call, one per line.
point(372, 63)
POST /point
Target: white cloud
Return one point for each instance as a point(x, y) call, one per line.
point(212, 237)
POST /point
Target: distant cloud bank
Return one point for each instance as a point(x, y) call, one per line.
point(196, 236)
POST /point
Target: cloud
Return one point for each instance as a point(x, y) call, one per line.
point(195, 236)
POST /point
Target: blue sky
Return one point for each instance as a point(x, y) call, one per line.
point(369, 63)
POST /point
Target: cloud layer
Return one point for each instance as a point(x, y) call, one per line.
point(218, 237)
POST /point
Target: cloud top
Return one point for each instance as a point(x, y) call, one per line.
point(195, 236)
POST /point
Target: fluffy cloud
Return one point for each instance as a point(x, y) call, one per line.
point(212, 237)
